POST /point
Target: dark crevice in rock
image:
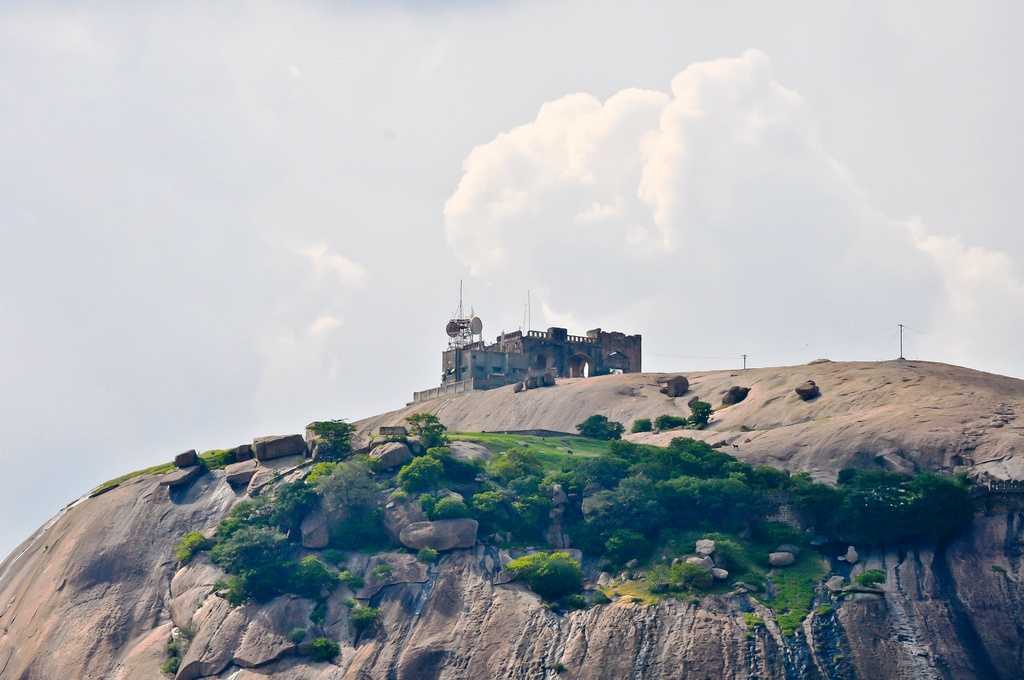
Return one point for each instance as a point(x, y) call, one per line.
point(967, 634)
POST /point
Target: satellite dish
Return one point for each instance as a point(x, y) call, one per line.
point(452, 329)
point(476, 326)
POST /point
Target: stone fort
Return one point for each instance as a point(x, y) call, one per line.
point(471, 364)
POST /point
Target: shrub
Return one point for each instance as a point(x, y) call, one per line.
point(700, 413)
point(324, 649)
point(428, 428)
point(362, 528)
point(869, 578)
point(333, 556)
point(667, 422)
point(297, 635)
point(420, 474)
point(291, 502)
point(641, 425)
point(599, 427)
point(427, 555)
point(312, 579)
point(189, 545)
point(600, 597)
point(449, 507)
point(170, 665)
point(258, 557)
point(363, 618)
point(353, 581)
point(382, 571)
point(318, 471)
point(550, 575)
point(335, 439)
point(624, 545)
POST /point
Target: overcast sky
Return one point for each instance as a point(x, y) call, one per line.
point(225, 221)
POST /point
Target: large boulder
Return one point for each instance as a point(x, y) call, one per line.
point(835, 584)
point(399, 513)
point(239, 474)
point(391, 569)
point(719, 574)
point(444, 534)
point(391, 455)
point(735, 395)
point(242, 452)
point(186, 459)
point(851, 555)
point(182, 476)
point(315, 530)
point(470, 451)
point(703, 562)
point(808, 390)
point(676, 386)
point(705, 546)
point(781, 559)
point(278, 446)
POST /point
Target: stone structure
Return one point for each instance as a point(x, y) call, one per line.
point(517, 356)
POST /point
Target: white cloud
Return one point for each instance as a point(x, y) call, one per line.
point(716, 205)
point(324, 324)
point(348, 272)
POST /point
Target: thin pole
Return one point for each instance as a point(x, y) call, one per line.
point(744, 362)
point(901, 341)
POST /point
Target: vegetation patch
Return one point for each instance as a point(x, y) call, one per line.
point(550, 575)
point(161, 469)
point(599, 427)
point(870, 578)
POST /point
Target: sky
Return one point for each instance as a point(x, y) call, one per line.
point(224, 221)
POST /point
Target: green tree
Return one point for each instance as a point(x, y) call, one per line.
point(669, 422)
point(428, 428)
point(324, 649)
point(624, 545)
point(420, 474)
point(700, 413)
point(641, 425)
point(449, 507)
point(599, 427)
point(335, 439)
point(347, 487)
point(312, 579)
point(550, 575)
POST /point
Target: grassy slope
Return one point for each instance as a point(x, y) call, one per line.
point(552, 451)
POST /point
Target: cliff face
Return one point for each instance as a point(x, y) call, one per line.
point(96, 594)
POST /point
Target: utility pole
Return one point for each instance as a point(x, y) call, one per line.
point(744, 362)
point(901, 341)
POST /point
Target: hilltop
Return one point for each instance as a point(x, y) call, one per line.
point(897, 415)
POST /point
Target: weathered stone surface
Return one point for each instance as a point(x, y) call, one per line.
point(278, 446)
point(851, 555)
point(191, 585)
point(239, 474)
point(445, 534)
point(735, 395)
point(181, 476)
point(808, 390)
point(788, 547)
point(266, 634)
point(470, 451)
point(702, 562)
point(835, 584)
point(781, 559)
point(719, 573)
point(390, 569)
point(242, 452)
point(186, 459)
point(705, 547)
point(676, 386)
point(400, 513)
point(391, 455)
point(315, 530)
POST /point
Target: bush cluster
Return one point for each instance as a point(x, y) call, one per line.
point(428, 428)
point(599, 427)
point(335, 439)
point(550, 575)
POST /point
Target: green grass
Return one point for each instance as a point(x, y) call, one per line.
point(794, 590)
point(552, 451)
point(216, 459)
point(161, 469)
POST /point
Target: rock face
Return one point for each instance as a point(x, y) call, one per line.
point(705, 547)
point(676, 386)
point(391, 455)
point(443, 534)
point(239, 474)
point(181, 476)
point(808, 390)
point(315, 530)
point(781, 559)
point(278, 446)
point(186, 459)
point(735, 395)
point(95, 593)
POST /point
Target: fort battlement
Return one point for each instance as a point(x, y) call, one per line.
point(517, 356)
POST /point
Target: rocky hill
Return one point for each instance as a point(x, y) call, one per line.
point(97, 592)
